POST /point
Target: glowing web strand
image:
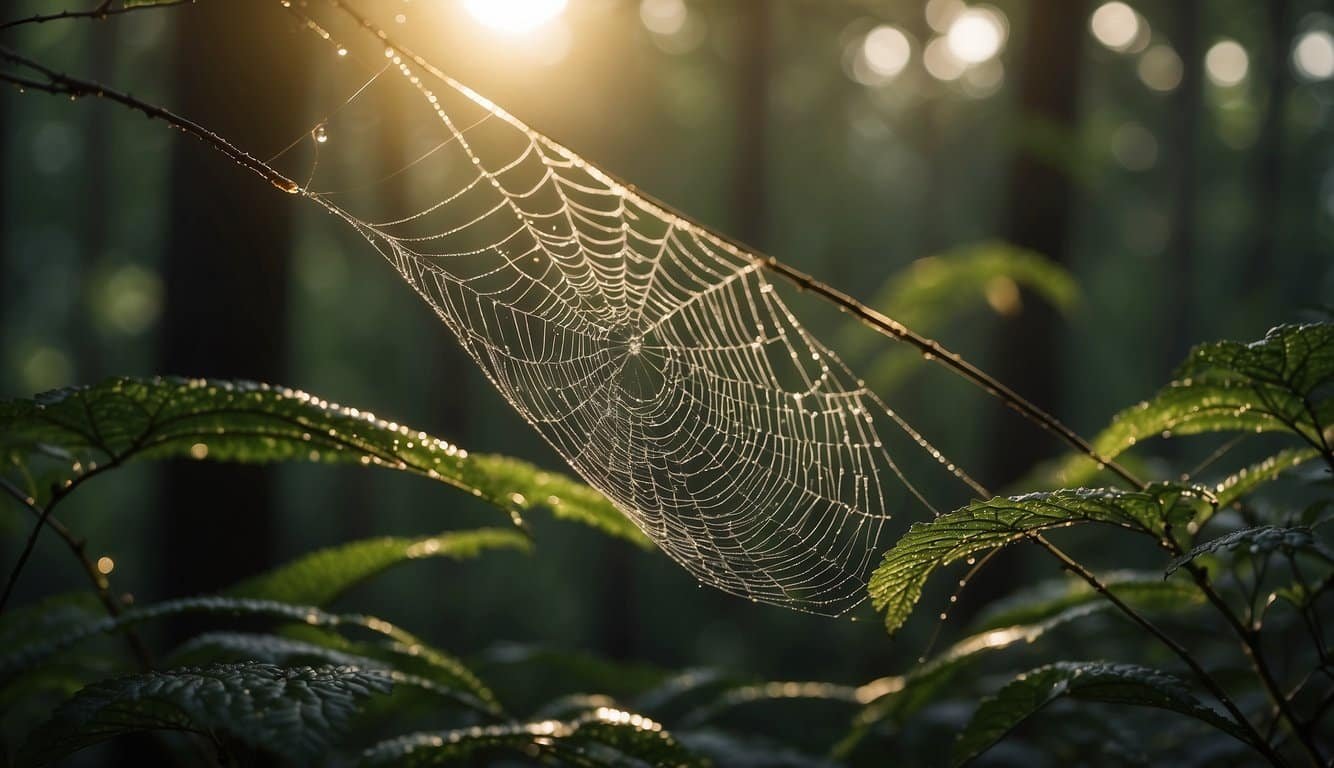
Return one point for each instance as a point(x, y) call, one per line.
point(652, 354)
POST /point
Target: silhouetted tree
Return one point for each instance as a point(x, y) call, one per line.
point(226, 273)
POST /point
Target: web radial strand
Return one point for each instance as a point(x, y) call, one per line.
point(655, 357)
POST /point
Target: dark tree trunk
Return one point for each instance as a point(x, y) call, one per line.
point(750, 198)
point(1040, 206)
point(94, 217)
point(226, 274)
point(1181, 241)
point(1269, 151)
point(8, 378)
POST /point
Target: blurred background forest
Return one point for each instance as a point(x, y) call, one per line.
point(1176, 156)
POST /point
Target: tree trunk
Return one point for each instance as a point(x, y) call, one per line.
point(226, 275)
point(94, 217)
point(1040, 207)
point(1269, 152)
point(1180, 255)
point(749, 188)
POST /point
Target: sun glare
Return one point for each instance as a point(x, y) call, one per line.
point(514, 16)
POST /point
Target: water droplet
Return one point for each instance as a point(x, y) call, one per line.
point(320, 134)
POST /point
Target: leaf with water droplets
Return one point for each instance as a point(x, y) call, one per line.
point(1261, 540)
point(605, 736)
point(320, 577)
point(415, 667)
point(295, 713)
point(26, 657)
point(1097, 681)
point(897, 583)
point(1275, 384)
point(125, 418)
point(892, 700)
point(1244, 481)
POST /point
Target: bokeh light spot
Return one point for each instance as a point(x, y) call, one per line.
point(1115, 25)
point(1160, 68)
point(1226, 63)
point(940, 61)
point(977, 34)
point(1313, 56)
point(886, 51)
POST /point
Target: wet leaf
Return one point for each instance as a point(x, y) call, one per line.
point(294, 712)
point(125, 419)
point(1087, 681)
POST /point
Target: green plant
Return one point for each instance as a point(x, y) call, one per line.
point(1233, 570)
point(1259, 572)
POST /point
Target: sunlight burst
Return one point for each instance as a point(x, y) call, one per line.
point(514, 16)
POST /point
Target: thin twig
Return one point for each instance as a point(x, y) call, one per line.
point(1075, 567)
point(60, 84)
point(102, 11)
point(1250, 645)
point(101, 584)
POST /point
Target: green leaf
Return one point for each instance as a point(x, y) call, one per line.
point(431, 663)
point(1145, 591)
point(35, 623)
point(772, 691)
point(1087, 681)
point(893, 699)
point(26, 657)
point(418, 664)
point(934, 290)
point(603, 737)
point(1244, 481)
point(555, 671)
point(1261, 540)
point(1274, 384)
point(294, 712)
point(49, 616)
point(122, 419)
point(320, 577)
point(454, 683)
point(896, 585)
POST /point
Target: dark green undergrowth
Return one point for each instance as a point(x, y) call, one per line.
point(1218, 655)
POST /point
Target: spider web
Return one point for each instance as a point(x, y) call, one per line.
point(653, 355)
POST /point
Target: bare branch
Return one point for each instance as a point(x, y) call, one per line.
point(51, 81)
point(101, 12)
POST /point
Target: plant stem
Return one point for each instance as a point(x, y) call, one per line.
point(101, 585)
point(1074, 566)
point(102, 11)
point(61, 84)
point(1250, 643)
